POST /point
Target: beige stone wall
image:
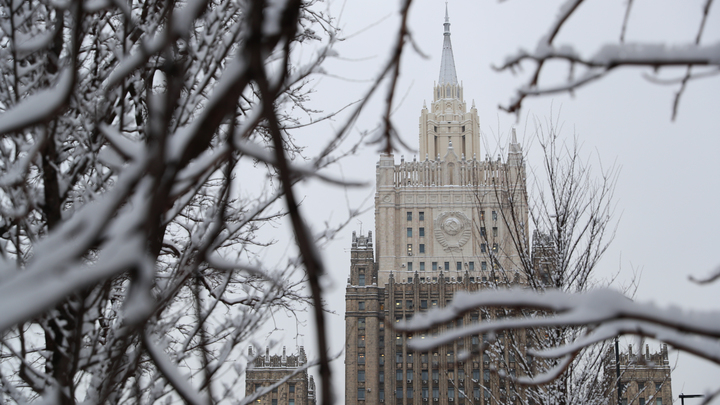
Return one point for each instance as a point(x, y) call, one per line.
point(267, 370)
point(645, 377)
point(410, 221)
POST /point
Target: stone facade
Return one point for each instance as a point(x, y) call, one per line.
point(449, 222)
point(266, 370)
point(644, 378)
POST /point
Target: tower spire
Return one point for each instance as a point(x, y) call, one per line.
point(447, 63)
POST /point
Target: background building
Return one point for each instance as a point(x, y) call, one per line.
point(264, 371)
point(644, 378)
point(450, 221)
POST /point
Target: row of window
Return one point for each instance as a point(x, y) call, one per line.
point(446, 265)
point(421, 249)
point(291, 388)
point(409, 375)
point(421, 215)
point(421, 232)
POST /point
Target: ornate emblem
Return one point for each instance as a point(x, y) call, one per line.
point(452, 230)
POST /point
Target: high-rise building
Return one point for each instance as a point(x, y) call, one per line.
point(266, 370)
point(644, 377)
point(449, 221)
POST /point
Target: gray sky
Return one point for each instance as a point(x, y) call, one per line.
point(668, 191)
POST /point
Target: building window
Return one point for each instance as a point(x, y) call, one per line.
point(422, 248)
point(361, 323)
point(434, 266)
point(361, 340)
point(398, 304)
point(382, 359)
point(409, 393)
point(434, 303)
point(421, 215)
point(361, 394)
point(398, 392)
point(422, 265)
point(423, 304)
point(483, 233)
point(424, 392)
point(381, 394)
point(398, 375)
point(435, 374)
point(486, 375)
point(658, 386)
point(409, 216)
point(361, 358)
point(291, 388)
point(291, 402)
point(458, 265)
point(447, 266)
point(486, 358)
point(476, 392)
point(658, 401)
point(408, 304)
point(398, 357)
point(409, 374)
point(483, 248)
point(361, 375)
point(495, 247)
point(476, 374)
point(471, 266)
point(409, 232)
point(642, 401)
point(483, 266)
point(494, 215)
point(361, 280)
point(475, 340)
point(421, 232)
point(381, 376)
point(274, 401)
point(451, 392)
point(463, 128)
point(409, 266)
point(409, 249)
point(361, 305)
point(436, 392)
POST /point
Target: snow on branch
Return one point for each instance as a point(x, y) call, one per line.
point(607, 58)
point(604, 312)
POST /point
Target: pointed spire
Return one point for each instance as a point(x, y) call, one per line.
point(514, 145)
point(447, 63)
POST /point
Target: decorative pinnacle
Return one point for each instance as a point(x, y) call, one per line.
point(447, 63)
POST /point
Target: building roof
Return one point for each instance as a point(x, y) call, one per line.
point(447, 63)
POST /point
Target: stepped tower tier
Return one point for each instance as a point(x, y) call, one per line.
point(448, 119)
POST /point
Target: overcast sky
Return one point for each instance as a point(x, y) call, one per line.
point(668, 190)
